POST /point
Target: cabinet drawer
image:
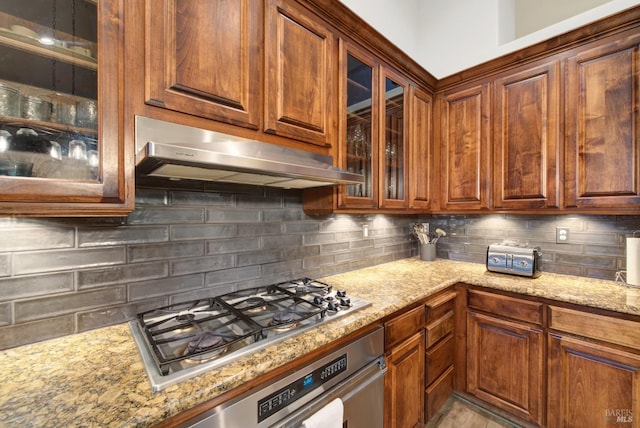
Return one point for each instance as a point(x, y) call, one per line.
point(438, 393)
point(600, 327)
point(440, 328)
point(403, 327)
point(496, 304)
point(439, 358)
point(439, 306)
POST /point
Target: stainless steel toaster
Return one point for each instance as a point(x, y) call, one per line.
point(514, 259)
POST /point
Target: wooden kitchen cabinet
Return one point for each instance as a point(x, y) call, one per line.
point(374, 115)
point(602, 168)
point(504, 355)
point(440, 350)
point(374, 112)
point(526, 134)
point(464, 133)
point(593, 381)
point(63, 153)
point(404, 380)
point(421, 150)
point(299, 75)
point(204, 58)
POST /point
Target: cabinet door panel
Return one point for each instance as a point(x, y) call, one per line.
point(299, 77)
point(465, 155)
point(404, 384)
point(203, 58)
point(591, 385)
point(393, 158)
point(421, 149)
point(525, 139)
point(603, 149)
point(62, 146)
point(504, 365)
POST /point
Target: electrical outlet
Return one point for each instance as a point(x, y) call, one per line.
point(562, 235)
point(365, 231)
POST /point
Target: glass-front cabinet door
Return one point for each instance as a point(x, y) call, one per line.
point(61, 150)
point(393, 164)
point(373, 132)
point(361, 130)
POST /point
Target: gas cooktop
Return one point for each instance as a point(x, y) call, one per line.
point(182, 340)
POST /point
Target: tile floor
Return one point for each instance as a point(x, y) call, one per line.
point(459, 413)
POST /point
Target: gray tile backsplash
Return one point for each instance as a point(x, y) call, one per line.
point(62, 276)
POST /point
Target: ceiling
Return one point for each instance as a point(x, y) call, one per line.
point(446, 37)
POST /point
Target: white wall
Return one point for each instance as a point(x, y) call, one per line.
point(448, 36)
point(533, 15)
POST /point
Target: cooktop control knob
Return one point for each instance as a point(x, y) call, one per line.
point(345, 301)
point(333, 306)
point(341, 293)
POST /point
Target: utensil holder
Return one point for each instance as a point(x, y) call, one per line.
point(427, 252)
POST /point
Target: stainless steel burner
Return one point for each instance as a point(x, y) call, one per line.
point(181, 340)
point(185, 317)
point(203, 342)
point(254, 304)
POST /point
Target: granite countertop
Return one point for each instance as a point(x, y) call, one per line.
point(96, 379)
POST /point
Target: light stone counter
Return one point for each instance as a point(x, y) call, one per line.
point(96, 379)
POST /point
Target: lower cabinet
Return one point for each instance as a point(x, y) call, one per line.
point(404, 384)
point(404, 381)
point(440, 349)
point(548, 365)
point(505, 360)
point(593, 381)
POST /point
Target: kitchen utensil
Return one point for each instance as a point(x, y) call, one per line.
point(439, 234)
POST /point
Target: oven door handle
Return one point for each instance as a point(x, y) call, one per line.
point(344, 390)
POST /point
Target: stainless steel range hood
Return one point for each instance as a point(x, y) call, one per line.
point(175, 151)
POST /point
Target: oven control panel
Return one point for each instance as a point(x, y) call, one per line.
point(300, 387)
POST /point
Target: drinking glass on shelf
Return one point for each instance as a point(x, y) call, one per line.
point(77, 150)
point(5, 136)
point(92, 156)
point(56, 150)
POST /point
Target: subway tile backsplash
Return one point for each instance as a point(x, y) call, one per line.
point(62, 276)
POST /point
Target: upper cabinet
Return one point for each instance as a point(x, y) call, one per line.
point(552, 128)
point(374, 144)
point(359, 98)
point(204, 58)
point(602, 146)
point(525, 138)
point(464, 133)
point(299, 76)
point(421, 151)
point(266, 66)
point(62, 149)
